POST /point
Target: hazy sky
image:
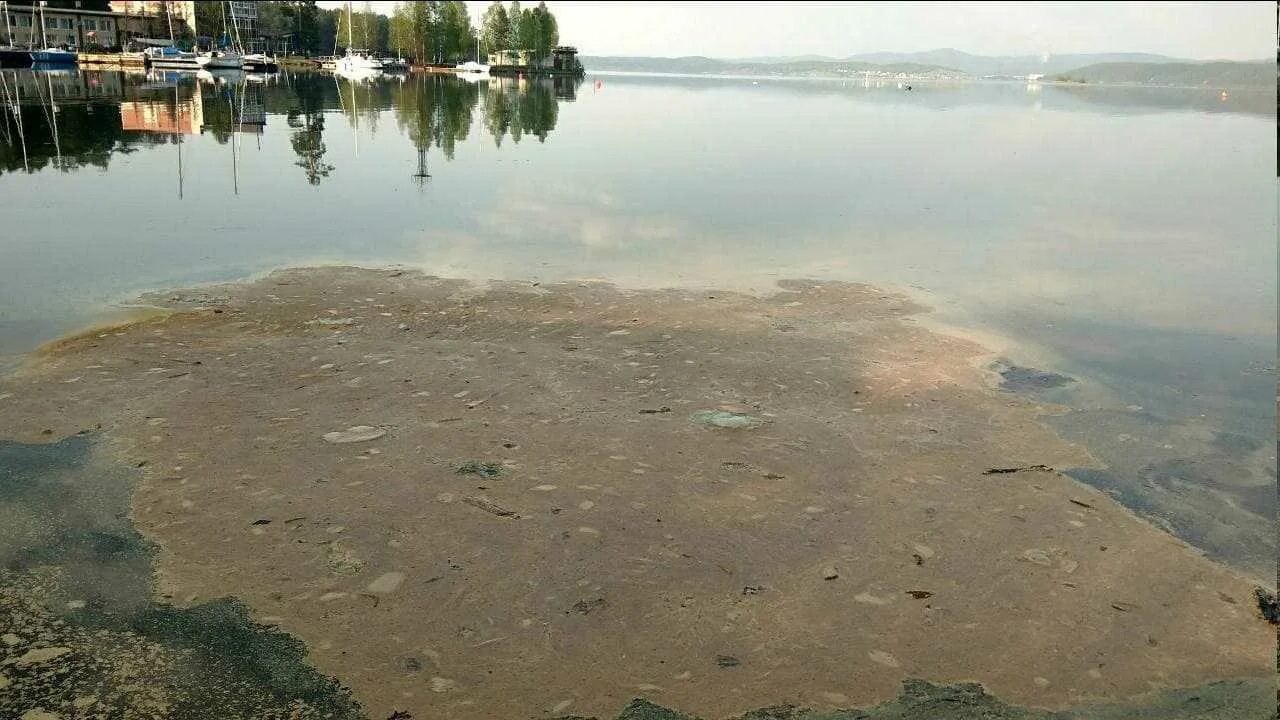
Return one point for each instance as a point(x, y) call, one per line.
point(1201, 30)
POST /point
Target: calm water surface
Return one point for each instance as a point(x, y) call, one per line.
point(1123, 237)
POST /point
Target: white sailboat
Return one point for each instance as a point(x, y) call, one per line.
point(170, 58)
point(473, 66)
point(226, 58)
point(357, 63)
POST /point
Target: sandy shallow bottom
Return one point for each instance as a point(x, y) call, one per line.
point(518, 501)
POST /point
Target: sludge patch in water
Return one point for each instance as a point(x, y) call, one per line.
point(919, 699)
point(80, 625)
point(1016, 378)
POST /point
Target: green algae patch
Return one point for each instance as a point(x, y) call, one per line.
point(725, 419)
point(76, 592)
point(481, 469)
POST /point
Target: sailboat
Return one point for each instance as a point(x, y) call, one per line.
point(170, 58)
point(228, 56)
point(473, 66)
point(357, 64)
point(12, 56)
point(50, 55)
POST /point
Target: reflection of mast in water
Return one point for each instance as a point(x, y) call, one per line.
point(422, 176)
point(176, 104)
point(355, 109)
point(51, 114)
point(11, 101)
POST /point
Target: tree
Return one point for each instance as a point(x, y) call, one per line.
point(208, 19)
point(494, 27)
point(515, 21)
point(549, 35)
point(530, 28)
point(400, 31)
point(455, 30)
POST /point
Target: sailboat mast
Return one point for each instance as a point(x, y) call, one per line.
point(169, 17)
point(4, 9)
point(44, 41)
point(349, 41)
point(235, 29)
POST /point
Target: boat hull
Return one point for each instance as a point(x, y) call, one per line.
point(221, 62)
point(53, 57)
point(15, 58)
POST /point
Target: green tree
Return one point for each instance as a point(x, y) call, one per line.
point(400, 31)
point(494, 27)
point(530, 28)
point(549, 30)
point(208, 19)
point(515, 23)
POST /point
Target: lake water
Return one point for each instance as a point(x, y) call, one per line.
point(1123, 237)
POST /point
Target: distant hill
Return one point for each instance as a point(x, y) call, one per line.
point(977, 66)
point(1009, 65)
point(698, 65)
point(1261, 74)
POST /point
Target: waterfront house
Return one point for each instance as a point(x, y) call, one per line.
point(563, 59)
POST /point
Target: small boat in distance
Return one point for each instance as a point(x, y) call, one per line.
point(260, 62)
point(395, 64)
point(171, 58)
point(226, 59)
point(472, 67)
point(357, 63)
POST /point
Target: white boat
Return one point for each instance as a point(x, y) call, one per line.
point(473, 66)
point(170, 58)
point(260, 62)
point(395, 64)
point(226, 59)
point(357, 63)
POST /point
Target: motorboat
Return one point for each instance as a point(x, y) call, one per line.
point(224, 59)
point(171, 58)
point(259, 62)
point(395, 64)
point(472, 67)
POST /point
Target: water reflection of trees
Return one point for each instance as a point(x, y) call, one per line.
point(306, 117)
point(103, 113)
point(519, 107)
point(433, 112)
point(89, 129)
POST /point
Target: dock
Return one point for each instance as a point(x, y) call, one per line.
point(114, 60)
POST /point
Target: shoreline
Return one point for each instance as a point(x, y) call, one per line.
point(838, 472)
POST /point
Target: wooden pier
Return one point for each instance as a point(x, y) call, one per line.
point(112, 60)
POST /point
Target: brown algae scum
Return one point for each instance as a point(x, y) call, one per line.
point(507, 501)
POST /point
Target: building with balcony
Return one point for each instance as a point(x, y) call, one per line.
point(182, 12)
point(65, 27)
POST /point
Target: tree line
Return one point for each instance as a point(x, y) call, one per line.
point(515, 29)
point(427, 31)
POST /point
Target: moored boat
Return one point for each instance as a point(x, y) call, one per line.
point(260, 62)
